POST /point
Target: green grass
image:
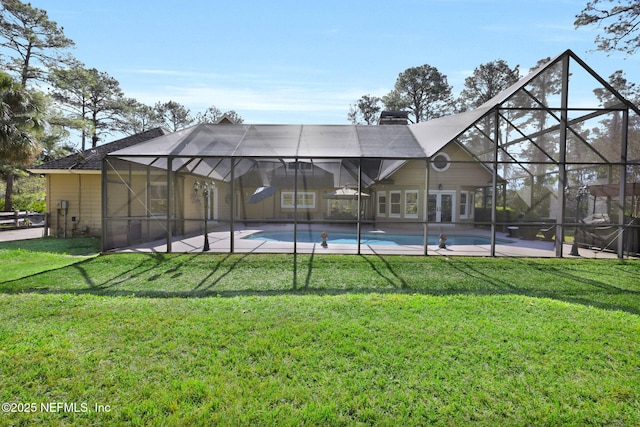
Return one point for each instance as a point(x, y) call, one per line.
point(202, 339)
point(25, 257)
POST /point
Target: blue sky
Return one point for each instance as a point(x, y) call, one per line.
point(307, 61)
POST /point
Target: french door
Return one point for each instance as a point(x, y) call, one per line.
point(440, 206)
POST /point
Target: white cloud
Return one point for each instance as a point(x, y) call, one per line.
point(298, 90)
point(283, 100)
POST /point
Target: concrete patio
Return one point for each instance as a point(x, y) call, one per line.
point(220, 242)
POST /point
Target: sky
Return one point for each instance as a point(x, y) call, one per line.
point(306, 62)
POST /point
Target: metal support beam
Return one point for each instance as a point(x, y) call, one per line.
point(562, 166)
point(104, 202)
point(295, 207)
point(169, 204)
point(623, 182)
point(359, 216)
point(232, 206)
point(494, 182)
point(426, 208)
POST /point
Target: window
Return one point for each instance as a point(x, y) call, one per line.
point(382, 204)
point(463, 204)
point(441, 162)
point(306, 199)
point(158, 198)
point(301, 166)
point(394, 204)
point(411, 204)
point(466, 205)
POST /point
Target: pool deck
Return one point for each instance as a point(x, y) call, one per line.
point(220, 242)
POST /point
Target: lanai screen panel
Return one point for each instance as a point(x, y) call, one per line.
point(389, 142)
point(559, 147)
point(136, 203)
point(479, 139)
point(434, 134)
point(276, 141)
point(329, 142)
point(196, 141)
point(552, 144)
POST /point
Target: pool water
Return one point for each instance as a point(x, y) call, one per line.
point(370, 238)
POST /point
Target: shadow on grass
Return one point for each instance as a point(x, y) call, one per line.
point(201, 288)
point(393, 278)
point(159, 275)
point(77, 246)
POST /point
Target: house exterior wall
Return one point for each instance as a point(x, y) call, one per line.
point(83, 194)
point(406, 186)
point(193, 206)
point(460, 178)
point(464, 171)
point(278, 207)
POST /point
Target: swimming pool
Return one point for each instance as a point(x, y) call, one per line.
point(370, 238)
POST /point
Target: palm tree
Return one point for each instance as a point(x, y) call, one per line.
point(20, 126)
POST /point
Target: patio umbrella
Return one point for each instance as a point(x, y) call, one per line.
point(261, 193)
point(344, 193)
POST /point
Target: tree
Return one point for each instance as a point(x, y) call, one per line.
point(544, 148)
point(234, 117)
point(394, 101)
point(487, 81)
point(611, 130)
point(51, 144)
point(619, 82)
point(37, 41)
point(54, 135)
point(173, 115)
point(70, 90)
point(213, 114)
point(20, 125)
point(106, 105)
point(365, 111)
point(38, 44)
point(138, 117)
point(92, 99)
point(618, 19)
point(423, 91)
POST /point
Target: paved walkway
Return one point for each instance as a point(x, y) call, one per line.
point(21, 234)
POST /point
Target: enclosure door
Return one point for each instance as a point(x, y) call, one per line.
point(440, 206)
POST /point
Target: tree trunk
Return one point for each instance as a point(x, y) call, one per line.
point(8, 205)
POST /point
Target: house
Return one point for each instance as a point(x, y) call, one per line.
point(74, 187)
point(515, 161)
point(252, 174)
point(518, 160)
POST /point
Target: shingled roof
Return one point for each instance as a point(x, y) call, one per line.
point(91, 159)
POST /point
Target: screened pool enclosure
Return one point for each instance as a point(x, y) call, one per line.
point(549, 167)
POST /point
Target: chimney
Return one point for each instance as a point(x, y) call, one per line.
point(394, 118)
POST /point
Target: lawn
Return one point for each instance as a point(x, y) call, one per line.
point(204, 339)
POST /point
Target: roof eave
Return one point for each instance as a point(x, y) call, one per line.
point(65, 171)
